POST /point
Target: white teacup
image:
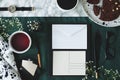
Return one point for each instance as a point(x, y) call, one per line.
point(19, 42)
point(62, 5)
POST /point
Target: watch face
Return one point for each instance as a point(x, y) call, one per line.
point(12, 8)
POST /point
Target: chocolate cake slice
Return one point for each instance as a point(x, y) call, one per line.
point(93, 1)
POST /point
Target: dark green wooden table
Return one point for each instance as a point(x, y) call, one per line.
point(44, 36)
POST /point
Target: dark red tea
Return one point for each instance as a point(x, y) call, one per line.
point(67, 4)
point(20, 42)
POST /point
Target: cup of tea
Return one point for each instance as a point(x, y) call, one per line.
point(19, 42)
point(67, 5)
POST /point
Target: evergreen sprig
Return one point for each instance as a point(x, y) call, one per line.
point(9, 25)
point(104, 74)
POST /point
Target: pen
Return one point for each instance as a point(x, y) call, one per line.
point(98, 42)
point(39, 59)
point(38, 53)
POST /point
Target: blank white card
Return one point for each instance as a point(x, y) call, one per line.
point(69, 62)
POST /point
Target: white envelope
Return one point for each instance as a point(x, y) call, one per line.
point(69, 36)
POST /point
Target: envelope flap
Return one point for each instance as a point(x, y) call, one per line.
point(69, 29)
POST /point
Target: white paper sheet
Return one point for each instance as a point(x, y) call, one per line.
point(69, 36)
point(69, 62)
point(29, 66)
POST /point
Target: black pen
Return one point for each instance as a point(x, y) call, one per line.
point(97, 46)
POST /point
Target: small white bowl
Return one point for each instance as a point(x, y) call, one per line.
point(65, 10)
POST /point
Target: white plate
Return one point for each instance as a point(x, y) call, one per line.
point(89, 10)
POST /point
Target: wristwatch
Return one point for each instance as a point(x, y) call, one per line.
point(14, 8)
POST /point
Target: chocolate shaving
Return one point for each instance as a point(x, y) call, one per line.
point(96, 10)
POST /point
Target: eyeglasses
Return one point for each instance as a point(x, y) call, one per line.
point(110, 52)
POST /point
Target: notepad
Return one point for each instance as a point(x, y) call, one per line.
point(69, 62)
